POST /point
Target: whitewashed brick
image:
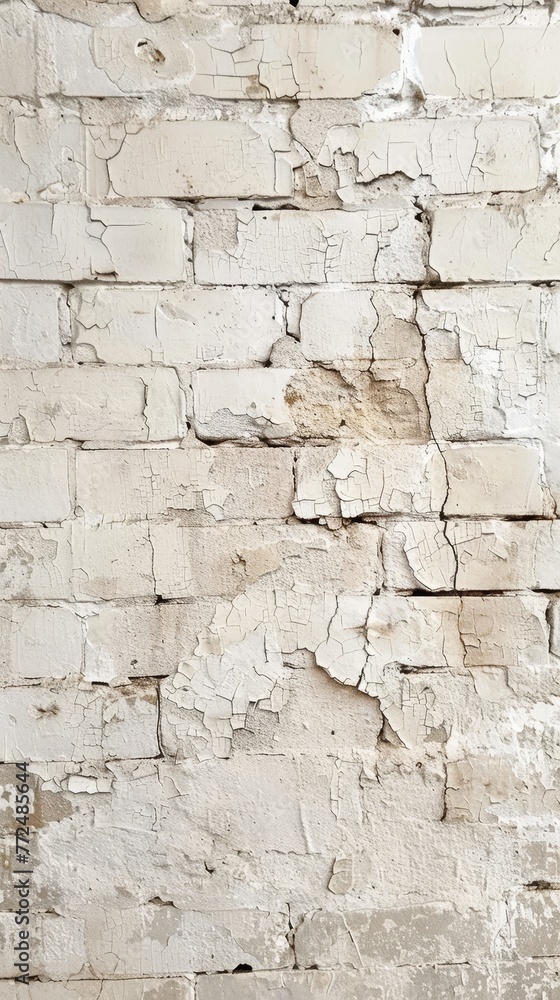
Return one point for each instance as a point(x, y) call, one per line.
point(236, 556)
point(112, 561)
point(139, 640)
point(349, 326)
point(507, 555)
point(486, 354)
point(494, 480)
point(468, 4)
point(460, 155)
point(42, 154)
point(29, 323)
point(235, 405)
point(77, 725)
point(314, 403)
point(193, 941)
point(495, 789)
point(504, 630)
point(89, 989)
point(206, 327)
point(383, 479)
point(74, 243)
point(353, 320)
point(478, 62)
point(18, 65)
point(115, 58)
point(473, 555)
point(46, 642)
point(526, 978)
point(349, 984)
point(34, 484)
point(189, 159)
point(300, 60)
point(282, 247)
point(93, 403)
point(536, 924)
point(524, 243)
point(262, 61)
point(35, 563)
point(413, 935)
point(338, 325)
point(220, 483)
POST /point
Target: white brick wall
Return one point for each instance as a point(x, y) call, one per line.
point(279, 484)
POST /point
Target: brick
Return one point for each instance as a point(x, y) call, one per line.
point(29, 323)
point(43, 154)
point(414, 631)
point(88, 989)
point(17, 50)
point(338, 325)
point(506, 555)
point(415, 935)
point(193, 941)
point(46, 642)
point(535, 924)
point(214, 484)
point(262, 61)
point(349, 326)
point(74, 243)
point(469, 4)
point(524, 243)
point(526, 980)
point(375, 479)
point(494, 480)
point(273, 824)
point(476, 62)
point(487, 350)
point(555, 627)
point(472, 555)
point(123, 560)
point(205, 327)
point(190, 159)
point(285, 403)
point(350, 984)
point(35, 563)
point(34, 484)
point(139, 640)
point(279, 484)
point(233, 405)
point(236, 556)
point(282, 247)
point(112, 561)
point(296, 61)
point(460, 155)
point(505, 630)
point(77, 725)
point(496, 790)
point(96, 404)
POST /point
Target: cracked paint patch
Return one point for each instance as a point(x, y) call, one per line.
point(460, 155)
point(198, 327)
point(72, 243)
point(312, 247)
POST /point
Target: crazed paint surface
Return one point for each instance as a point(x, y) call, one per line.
point(279, 485)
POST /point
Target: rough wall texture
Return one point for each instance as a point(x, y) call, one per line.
point(280, 466)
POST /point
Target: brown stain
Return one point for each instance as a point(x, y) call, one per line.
point(254, 87)
point(50, 807)
point(324, 404)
